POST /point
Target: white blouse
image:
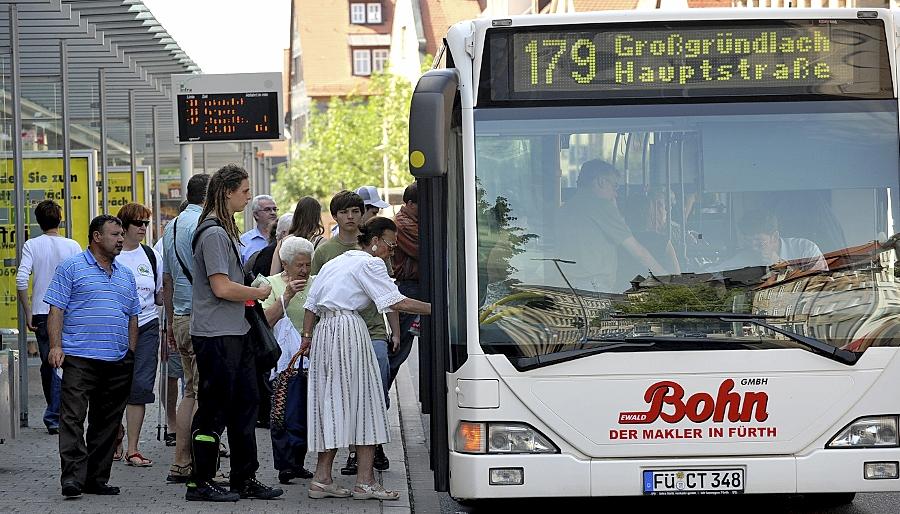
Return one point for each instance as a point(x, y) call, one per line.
point(353, 281)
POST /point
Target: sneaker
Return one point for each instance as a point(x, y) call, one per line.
point(53, 430)
point(253, 488)
point(285, 476)
point(169, 438)
point(381, 461)
point(209, 492)
point(350, 468)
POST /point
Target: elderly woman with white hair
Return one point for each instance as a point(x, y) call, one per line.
point(260, 263)
point(288, 296)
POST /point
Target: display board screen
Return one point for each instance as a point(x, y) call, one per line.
point(690, 59)
point(228, 117)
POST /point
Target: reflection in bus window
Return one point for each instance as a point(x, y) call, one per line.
point(784, 208)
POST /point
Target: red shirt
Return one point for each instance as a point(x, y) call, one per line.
point(406, 255)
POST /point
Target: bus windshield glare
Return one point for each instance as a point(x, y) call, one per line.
point(587, 214)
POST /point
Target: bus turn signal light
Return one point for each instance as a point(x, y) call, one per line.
point(471, 437)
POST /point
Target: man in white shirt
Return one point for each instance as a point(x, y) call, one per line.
point(265, 212)
point(40, 256)
point(765, 246)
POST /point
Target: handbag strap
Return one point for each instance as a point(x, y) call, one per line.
point(293, 360)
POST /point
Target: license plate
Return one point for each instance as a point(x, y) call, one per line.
point(693, 481)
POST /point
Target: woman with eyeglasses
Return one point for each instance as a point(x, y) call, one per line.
point(146, 265)
point(346, 403)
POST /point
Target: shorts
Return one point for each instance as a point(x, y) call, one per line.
point(181, 325)
point(174, 368)
point(146, 358)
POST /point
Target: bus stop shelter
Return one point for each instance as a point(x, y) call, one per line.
point(89, 77)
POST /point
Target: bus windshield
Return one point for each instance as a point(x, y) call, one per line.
point(590, 215)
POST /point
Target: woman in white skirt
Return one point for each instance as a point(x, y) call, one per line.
point(345, 397)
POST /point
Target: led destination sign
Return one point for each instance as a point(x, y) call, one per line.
point(731, 58)
point(228, 116)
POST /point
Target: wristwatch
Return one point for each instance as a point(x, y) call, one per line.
point(306, 334)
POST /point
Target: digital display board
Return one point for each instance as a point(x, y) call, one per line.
point(689, 59)
point(228, 117)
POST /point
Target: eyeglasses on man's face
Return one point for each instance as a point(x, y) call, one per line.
point(141, 223)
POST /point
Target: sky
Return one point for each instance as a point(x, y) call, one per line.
point(228, 36)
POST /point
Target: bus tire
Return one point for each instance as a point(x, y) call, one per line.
point(831, 499)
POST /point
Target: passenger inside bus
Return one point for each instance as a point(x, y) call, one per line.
point(648, 217)
point(764, 246)
point(593, 229)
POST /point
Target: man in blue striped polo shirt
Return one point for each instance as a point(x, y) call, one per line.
point(93, 331)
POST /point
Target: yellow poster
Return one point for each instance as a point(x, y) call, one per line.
point(119, 188)
point(43, 174)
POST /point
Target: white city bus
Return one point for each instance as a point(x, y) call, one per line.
point(661, 248)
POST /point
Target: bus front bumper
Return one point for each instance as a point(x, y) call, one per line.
point(561, 475)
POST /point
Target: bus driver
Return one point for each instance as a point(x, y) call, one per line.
point(594, 230)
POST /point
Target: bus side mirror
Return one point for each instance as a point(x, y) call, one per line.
point(429, 123)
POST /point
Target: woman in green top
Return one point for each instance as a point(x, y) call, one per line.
point(289, 290)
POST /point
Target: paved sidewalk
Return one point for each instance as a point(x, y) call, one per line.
point(29, 475)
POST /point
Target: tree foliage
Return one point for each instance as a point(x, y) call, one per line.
point(349, 144)
point(681, 298)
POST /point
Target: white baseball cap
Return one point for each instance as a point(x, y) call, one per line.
point(370, 196)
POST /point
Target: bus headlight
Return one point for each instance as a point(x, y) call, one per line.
point(870, 432)
point(474, 437)
point(517, 438)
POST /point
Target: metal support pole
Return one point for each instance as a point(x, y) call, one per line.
point(248, 167)
point(187, 166)
point(203, 151)
point(104, 173)
point(132, 152)
point(267, 178)
point(66, 144)
point(157, 219)
point(20, 210)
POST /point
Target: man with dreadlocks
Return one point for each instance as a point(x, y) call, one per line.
point(227, 395)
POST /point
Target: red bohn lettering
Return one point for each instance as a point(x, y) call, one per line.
point(667, 403)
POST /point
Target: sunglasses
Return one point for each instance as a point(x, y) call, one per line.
point(138, 223)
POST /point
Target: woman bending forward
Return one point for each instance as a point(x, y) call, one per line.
point(345, 397)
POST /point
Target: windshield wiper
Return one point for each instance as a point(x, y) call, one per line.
point(819, 347)
point(542, 360)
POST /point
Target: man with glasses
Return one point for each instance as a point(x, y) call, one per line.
point(594, 231)
point(265, 212)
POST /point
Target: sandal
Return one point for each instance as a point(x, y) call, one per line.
point(142, 462)
point(374, 492)
point(331, 490)
point(119, 454)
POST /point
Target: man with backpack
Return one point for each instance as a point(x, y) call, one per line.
point(177, 280)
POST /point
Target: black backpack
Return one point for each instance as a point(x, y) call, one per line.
point(151, 256)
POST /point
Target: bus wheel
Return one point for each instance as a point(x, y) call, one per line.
point(831, 499)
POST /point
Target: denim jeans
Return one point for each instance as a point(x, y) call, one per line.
point(381, 353)
point(50, 381)
point(409, 289)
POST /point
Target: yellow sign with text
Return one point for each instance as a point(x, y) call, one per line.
point(119, 188)
point(44, 179)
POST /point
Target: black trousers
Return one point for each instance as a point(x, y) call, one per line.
point(289, 441)
point(265, 397)
point(227, 396)
point(97, 390)
point(410, 289)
